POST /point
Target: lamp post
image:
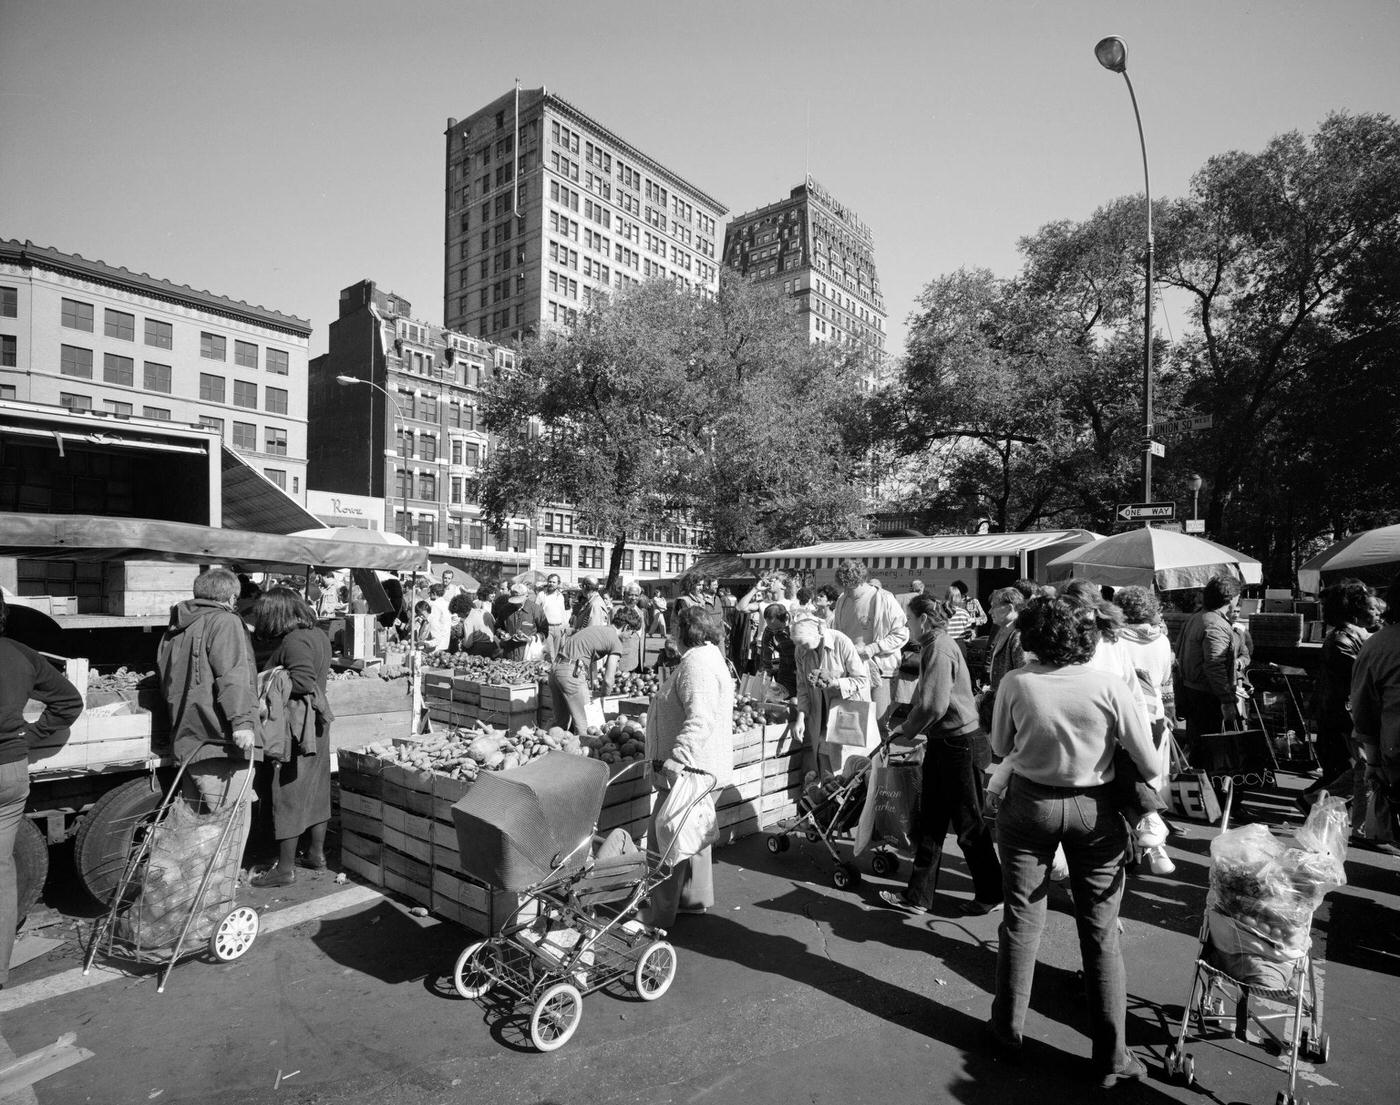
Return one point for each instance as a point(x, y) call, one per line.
point(1112, 53)
point(347, 381)
point(1193, 484)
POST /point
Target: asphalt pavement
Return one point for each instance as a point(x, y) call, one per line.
point(788, 991)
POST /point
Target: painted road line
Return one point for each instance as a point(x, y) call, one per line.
point(73, 980)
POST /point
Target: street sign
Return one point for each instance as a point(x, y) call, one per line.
point(1184, 425)
point(1156, 448)
point(1195, 525)
point(1130, 512)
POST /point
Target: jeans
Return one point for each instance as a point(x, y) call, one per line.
point(570, 694)
point(1033, 820)
point(952, 792)
point(14, 792)
point(1201, 711)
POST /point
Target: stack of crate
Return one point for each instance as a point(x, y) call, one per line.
point(397, 833)
point(457, 700)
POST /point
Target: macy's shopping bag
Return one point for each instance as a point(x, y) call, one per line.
point(851, 721)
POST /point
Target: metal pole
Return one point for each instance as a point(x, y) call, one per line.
point(1146, 311)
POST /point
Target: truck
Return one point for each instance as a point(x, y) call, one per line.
point(92, 591)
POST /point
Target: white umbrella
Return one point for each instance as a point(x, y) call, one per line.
point(1149, 557)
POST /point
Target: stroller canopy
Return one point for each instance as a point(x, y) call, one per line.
point(514, 827)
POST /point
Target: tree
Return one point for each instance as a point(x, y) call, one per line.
point(662, 403)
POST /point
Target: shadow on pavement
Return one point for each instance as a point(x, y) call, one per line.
point(985, 1078)
point(383, 943)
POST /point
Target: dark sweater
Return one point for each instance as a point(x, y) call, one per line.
point(943, 705)
point(24, 674)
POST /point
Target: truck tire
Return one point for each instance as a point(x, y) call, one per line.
point(105, 832)
point(31, 866)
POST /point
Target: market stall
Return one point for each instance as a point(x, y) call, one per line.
point(1372, 556)
point(1151, 557)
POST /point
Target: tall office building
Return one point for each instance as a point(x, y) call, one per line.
point(824, 256)
point(89, 336)
point(548, 210)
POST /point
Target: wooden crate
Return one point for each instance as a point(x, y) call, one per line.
point(1276, 630)
point(360, 772)
point(514, 698)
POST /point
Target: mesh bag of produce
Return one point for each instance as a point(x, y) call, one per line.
point(1263, 894)
point(159, 901)
point(514, 827)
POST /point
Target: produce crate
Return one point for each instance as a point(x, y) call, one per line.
point(516, 698)
point(633, 707)
point(1276, 630)
point(360, 773)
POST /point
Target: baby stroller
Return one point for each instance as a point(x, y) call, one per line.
point(827, 812)
point(575, 930)
point(178, 891)
point(1236, 957)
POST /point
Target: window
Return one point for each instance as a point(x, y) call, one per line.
point(429, 447)
point(590, 556)
point(476, 535)
point(456, 490)
point(9, 351)
point(277, 476)
point(212, 423)
point(212, 346)
point(75, 361)
point(427, 529)
point(8, 391)
point(159, 334)
point(160, 414)
point(276, 442)
point(471, 454)
point(119, 324)
point(276, 400)
point(118, 370)
point(245, 354)
point(558, 556)
point(9, 303)
point(245, 394)
point(245, 436)
point(155, 377)
point(675, 562)
point(628, 556)
point(651, 561)
point(73, 402)
point(77, 316)
point(211, 388)
point(520, 538)
point(427, 485)
point(122, 410)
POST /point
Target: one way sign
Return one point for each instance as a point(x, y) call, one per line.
point(1130, 512)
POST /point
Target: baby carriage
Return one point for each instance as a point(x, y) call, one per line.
point(1255, 939)
point(828, 812)
point(575, 930)
point(178, 891)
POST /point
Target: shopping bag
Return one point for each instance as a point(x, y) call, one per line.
point(534, 650)
point(593, 712)
point(1380, 824)
point(1193, 795)
point(851, 721)
point(683, 829)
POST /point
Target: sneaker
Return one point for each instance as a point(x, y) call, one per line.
point(1133, 1070)
point(1159, 861)
point(900, 902)
point(1151, 831)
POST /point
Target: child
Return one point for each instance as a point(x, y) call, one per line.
point(778, 653)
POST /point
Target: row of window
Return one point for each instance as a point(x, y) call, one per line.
point(590, 558)
point(459, 533)
point(77, 315)
point(76, 361)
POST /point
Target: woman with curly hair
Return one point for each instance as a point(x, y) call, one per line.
point(1057, 722)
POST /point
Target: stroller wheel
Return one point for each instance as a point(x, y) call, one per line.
point(472, 974)
point(655, 970)
point(556, 1016)
point(775, 843)
point(235, 934)
point(882, 863)
point(845, 876)
point(812, 836)
point(1188, 1071)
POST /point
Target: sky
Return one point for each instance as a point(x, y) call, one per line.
point(277, 152)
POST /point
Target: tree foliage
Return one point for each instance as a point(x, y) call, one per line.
point(661, 404)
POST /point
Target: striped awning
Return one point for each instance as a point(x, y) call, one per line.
point(951, 552)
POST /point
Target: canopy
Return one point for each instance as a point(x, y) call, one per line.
point(1372, 557)
point(86, 537)
point(948, 551)
point(1150, 557)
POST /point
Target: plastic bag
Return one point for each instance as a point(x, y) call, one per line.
point(891, 803)
point(683, 829)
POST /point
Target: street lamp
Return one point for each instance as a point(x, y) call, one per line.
point(346, 381)
point(1193, 484)
point(1112, 53)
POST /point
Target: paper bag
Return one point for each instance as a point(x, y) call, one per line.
point(851, 721)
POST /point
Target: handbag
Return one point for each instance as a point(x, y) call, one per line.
point(851, 721)
point(686, 822)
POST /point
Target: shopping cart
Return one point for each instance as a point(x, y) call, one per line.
point(827, 813)
point(1214, 989)
point(159, 913)
point(575, 930)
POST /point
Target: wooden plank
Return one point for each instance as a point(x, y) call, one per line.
point(358, 823)
point(408, 867)
point(411, 846)
point(360, 804)
point(406, 887)
point(367, 848)
point(371, 872)
point(39, 1064)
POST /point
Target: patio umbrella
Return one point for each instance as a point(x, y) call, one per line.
point(1372, 557)
point(530, 577)
point(1150, 557)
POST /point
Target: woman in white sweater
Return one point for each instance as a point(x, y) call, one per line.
point(691, 726)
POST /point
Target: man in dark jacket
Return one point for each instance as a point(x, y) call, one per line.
point(24, 674)
point(1207, 662)
point(209, 679)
